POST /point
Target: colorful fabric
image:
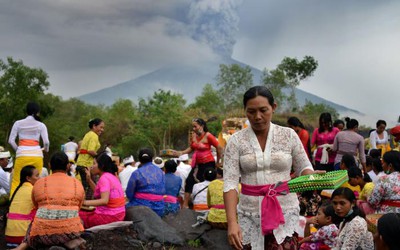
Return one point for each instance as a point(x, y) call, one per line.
point(271, 211)
point(319, 139)
point(387, 188)
point(90, 142)
point(173, 185)
point(366, 191)
point(354, 235)
point(326, 235)
point(202, 146)
point(147, 179)
point(110, 183)
point(91, 219)
point(244, 160)
point(21, 162)
point(20, 213)
point(305, 138)
point(355, 189)
point(215, 197)
point(58, 198)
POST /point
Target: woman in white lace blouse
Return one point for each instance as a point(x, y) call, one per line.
point(353, 230)
point(262, 155)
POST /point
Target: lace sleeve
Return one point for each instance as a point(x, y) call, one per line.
point(356, 234)
point(231, 165)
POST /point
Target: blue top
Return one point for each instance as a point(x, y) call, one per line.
point(172, 187)
point(147, 179)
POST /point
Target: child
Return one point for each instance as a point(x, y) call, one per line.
point(353, 231)
point(327, 232)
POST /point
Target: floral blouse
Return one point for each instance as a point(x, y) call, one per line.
point(244, 159)
point(354, 236)
point(387, 188)
point(326, 234)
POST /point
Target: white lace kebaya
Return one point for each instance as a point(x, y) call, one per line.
point(244, 159)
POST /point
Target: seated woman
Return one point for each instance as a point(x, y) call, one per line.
point(385, 196)
point(346, 163)
point(199, 194)
point(173, 185)
point(108, 194)
point(21, 211)
point(353, 231)
point(58, 198)
point(357, 178)
point(215, 201)
point(146, 187)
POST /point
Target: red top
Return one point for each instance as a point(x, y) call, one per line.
point(202, 146)
point(304, 137)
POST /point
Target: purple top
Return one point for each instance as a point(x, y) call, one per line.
point(349, 142)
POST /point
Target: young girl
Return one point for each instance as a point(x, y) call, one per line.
point(21, 210)
point(327, 232)
point(353, 232)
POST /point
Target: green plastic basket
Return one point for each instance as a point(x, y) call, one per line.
point(330, 180)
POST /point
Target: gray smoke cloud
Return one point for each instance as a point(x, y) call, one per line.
point(215, 22)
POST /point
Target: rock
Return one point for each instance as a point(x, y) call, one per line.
point(216, 239)
point(183, 222)
point(124, 237)
point(151, 228)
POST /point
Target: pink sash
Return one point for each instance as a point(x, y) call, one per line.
point(16, 216)
point(149, 197)
point(170, 199)
point(270, 204)
point(218, 206)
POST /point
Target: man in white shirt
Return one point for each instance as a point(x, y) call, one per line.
point(4, 176)
point(183, 171)
point(70, 148)
point(126, 173)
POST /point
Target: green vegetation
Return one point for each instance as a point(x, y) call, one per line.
point(160, 121)
point(194, 243)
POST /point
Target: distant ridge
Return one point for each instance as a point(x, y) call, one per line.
point(188, 80)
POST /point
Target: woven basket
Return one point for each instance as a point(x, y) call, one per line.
point(330, 180)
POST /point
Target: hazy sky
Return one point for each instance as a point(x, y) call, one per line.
point(88, 45)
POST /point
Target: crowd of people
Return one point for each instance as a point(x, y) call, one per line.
point(241, 186)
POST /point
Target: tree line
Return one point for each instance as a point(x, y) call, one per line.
point(160, 121)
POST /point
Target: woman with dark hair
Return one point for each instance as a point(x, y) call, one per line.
point(146, 187)
point(357, 178)
point(386, 194)
point(201, 143)
point(388, 231)
point(297, 125)
point(109, 199)
point(88, 151)
point(21, 211)
point(323, 138)
point(58, 198)
point(173, 185)
point(350, 142)
point(379, 138)
point(353, 231)
point(261, 158)
point(28, 151)
point(339, 124)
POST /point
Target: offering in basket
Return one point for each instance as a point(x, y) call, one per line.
point(330, 180)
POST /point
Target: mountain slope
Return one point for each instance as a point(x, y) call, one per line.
point(188, 80)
